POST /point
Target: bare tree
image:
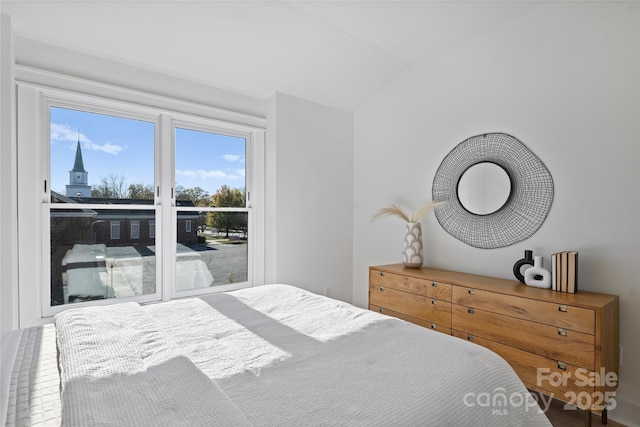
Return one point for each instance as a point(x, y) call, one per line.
point(111, 187)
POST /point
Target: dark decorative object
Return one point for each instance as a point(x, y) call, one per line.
point(528, 202)
point(517, 267)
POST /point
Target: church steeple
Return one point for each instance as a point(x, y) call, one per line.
point(78, 177)
point(78, 166)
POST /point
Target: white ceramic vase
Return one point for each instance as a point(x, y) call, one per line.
point(537, 276)
point(412, 253)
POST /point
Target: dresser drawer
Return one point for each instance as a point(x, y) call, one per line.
point(431, 325)
point(556, 378)
point(555, 343)
point(418, 306)
point(414, 285)
point(559, 315)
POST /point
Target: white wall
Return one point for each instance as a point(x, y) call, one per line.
point(310, 226)
point(565, 81)
point(65, 61)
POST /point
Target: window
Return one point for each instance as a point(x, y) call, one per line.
point(112, 170)
point(135, 229)
point(219, 210)
point(98, 160)
point(115, 230)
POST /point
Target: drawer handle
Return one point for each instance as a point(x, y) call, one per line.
point(470, 310)
point(562, 308)
point(434, 302)
point(562, 331)
point(562, 366)
point(469, 337)
point(470, 291)
point(381, 310)
point(434, 284)
point(381, 289)
point(382, 273)
point(433, 326)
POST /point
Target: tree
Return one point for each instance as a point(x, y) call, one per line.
point(227, 197)
point(141, 192)
point(115, 187)
point(110, 187)
point(197, 195)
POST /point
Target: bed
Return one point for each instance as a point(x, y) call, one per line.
point(272, 355)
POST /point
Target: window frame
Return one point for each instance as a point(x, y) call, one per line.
point(34, 102)
point(203, 125)
point(75, 101)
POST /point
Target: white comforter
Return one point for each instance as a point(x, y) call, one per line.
point(276, 356)
point(117, 369)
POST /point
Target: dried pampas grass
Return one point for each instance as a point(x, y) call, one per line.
point(394, 210)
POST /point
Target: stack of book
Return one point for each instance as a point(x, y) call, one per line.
point(564, 271)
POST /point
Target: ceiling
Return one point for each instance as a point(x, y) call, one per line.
point(337, 53)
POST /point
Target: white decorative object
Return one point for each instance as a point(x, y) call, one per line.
point(537, 276)
point(412, 252)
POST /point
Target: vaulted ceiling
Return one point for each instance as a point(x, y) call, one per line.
point(337, 53)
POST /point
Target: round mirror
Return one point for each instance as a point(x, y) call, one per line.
point(492, 209)
point(484, 188)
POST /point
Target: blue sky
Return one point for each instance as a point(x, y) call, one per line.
point(118, 146)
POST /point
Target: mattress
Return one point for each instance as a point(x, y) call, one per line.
point(271, 355)
point(31, 397)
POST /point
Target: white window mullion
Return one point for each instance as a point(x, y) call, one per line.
point(30, 196)
point(166, 228)
point(256, 184)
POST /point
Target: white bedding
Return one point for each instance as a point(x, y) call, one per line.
point(275, 356)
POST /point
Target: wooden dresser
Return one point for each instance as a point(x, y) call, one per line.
point(563, 345)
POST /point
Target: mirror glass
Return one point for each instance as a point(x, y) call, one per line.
point(484, 188)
